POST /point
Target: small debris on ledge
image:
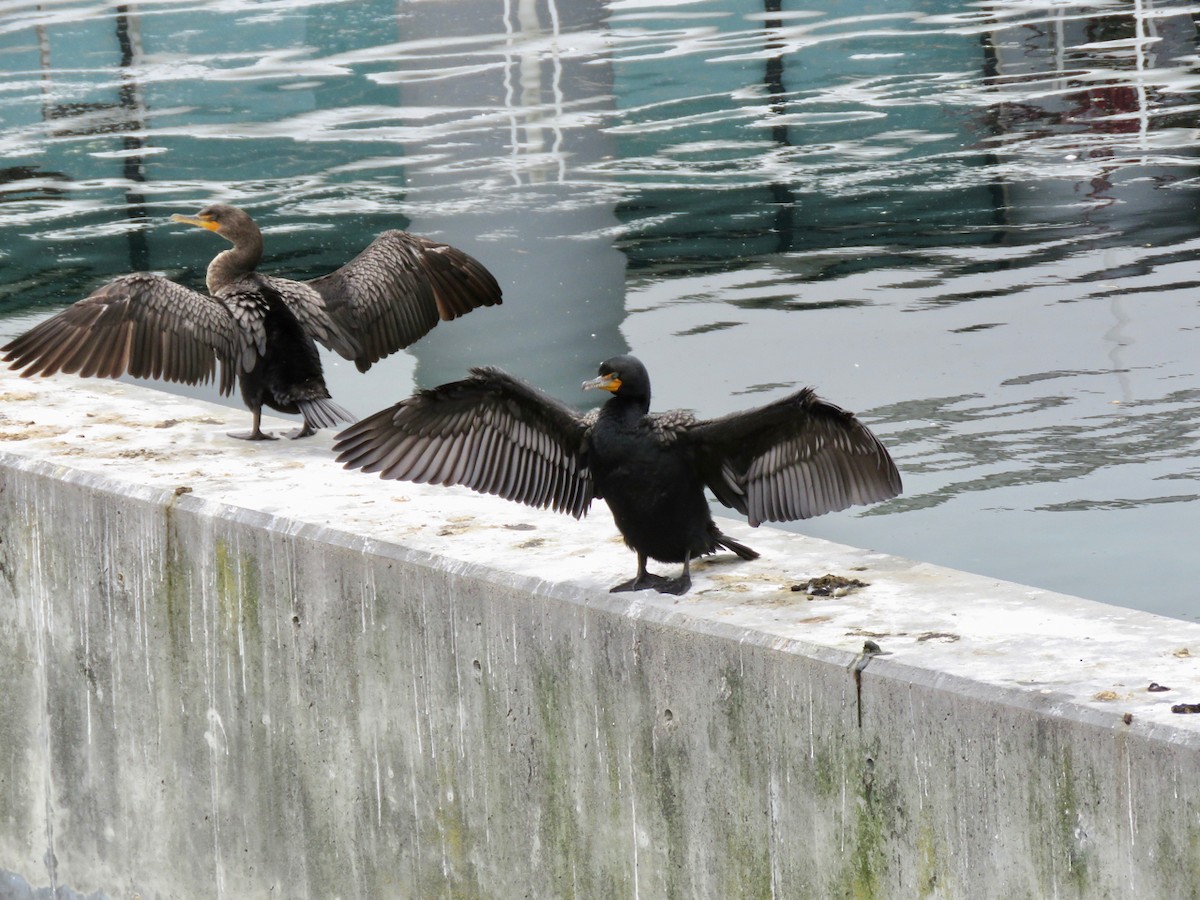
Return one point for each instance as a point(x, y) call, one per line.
point(828, 586)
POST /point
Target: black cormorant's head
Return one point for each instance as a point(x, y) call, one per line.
point(229, 222)
point(623, 376)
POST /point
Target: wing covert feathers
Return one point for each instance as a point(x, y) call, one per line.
point(490, 432)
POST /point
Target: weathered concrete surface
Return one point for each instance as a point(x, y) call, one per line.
point(234, 670)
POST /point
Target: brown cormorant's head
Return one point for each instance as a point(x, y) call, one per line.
point(229, 222)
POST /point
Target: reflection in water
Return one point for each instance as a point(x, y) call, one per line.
point(130, 94)
point(976, 223)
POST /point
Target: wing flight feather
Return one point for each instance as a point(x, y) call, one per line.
point(798, 457)
point(490, 432)
point(142, 325)
point(393, 293)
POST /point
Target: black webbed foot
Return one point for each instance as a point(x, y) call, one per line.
point(677, 586)
point(645, 582)
point(306, 431)
point(255, 435)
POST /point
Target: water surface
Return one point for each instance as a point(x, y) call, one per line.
point(974, 224)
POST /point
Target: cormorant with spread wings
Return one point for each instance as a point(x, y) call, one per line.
point(797, 457)
point(259, 328)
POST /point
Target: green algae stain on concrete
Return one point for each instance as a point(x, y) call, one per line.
point(747, 873)
point(929, 867)
point(458, 873)
point(827, 774)
point(19, 714)
point(238, 587)
point(177, 585)
point(1056, 809)
point(1067, 824)
point(562, 837)
point(871, 827)
point(659, 770)
point(1062, 849)
point(745, 833)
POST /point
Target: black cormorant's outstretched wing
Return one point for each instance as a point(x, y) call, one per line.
point(141, 324)
point(490, 432)
point(798, 457)
point(394, 292)
point(308, 306)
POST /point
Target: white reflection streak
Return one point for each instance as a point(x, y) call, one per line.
point(508, 90)
point(1142, 41)
point(556, 87)
point(527, 105)
point(530, 76)
point(43, 42)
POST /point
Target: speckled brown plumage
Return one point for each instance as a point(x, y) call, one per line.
point(260, 329)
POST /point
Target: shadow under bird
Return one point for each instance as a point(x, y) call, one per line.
point(797, 457)
point(260, 329)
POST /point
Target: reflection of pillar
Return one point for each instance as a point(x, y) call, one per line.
point(127, 116)
point(564, 296)
point(1078, 90)
point(527, 133)
point(782, 194)
point(1094, 109)
point(132, 100)
point(43, 42)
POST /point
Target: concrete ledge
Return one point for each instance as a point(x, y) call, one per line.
point(235, 670)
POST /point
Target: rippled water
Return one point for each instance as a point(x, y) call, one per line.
point(976, 224)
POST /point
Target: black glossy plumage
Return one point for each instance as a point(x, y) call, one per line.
point(260, 329)
point(795, 458)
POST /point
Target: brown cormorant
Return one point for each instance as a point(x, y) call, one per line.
point(261, 329)
point(797, 457)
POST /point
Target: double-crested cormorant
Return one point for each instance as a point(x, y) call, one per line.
point(795, 458)
point(261, 329)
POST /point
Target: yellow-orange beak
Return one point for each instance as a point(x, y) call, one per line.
point(609, 382)
point(199, 222)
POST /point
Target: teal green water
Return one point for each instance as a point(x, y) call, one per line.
point(975, 225)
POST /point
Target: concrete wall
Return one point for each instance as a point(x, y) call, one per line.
point(235, 670)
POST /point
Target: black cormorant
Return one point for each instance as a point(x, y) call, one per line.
point(261, 329)
point(797, 457)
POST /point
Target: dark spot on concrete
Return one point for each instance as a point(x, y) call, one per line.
point(828, 586)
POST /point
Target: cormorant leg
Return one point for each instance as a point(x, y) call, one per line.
point(681, 584)
point(306, 431)
point(255, 433)
point(642, 581)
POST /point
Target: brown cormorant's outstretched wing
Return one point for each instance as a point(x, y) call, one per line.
point(798, 457)
point(141, 324)
point(490, 432)
point(395, 291)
